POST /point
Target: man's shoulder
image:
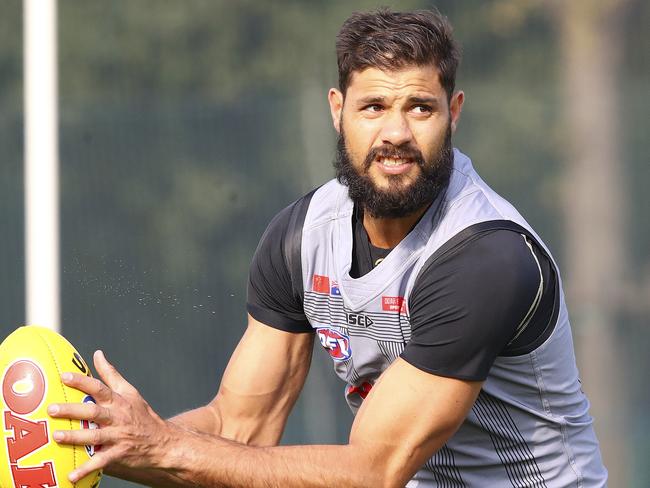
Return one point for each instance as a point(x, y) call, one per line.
point(325, 203)
point(469, 200)
point(469, 193)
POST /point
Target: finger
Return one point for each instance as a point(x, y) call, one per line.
point(98, 461)
point(82, 437)
point(98, 390)
point(108, 372)
point(81, 411)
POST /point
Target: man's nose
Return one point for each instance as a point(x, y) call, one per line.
point(396, 130)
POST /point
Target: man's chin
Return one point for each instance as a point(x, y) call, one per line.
point(393, 183)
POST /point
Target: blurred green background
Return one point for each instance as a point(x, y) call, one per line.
point(186, 125)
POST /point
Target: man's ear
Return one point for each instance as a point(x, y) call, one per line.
point(455, 108)
point(335, 99)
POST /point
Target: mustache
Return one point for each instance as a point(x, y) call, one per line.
point(390, 151)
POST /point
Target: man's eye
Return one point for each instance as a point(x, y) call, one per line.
point(422, 109)
point(373, 108)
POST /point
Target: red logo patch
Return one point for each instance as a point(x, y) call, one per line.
point(336, 343)
point(393, 304)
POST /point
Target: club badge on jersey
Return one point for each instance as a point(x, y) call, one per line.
point(335, 343)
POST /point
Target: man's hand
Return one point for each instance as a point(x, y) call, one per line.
point(257, 393)
point(131, 434)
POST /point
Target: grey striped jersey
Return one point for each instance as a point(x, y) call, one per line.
point(530, 425)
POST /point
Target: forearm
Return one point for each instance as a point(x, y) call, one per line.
point(256, 420)
point(389, 441)
point(204, 419)
point(208, 462)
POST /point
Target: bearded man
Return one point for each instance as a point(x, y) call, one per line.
point(441, 308)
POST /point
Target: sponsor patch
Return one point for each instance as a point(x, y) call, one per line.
point(335, 343)
point(393, 304)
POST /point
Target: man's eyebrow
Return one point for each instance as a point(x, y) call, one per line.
point(425, 100)
point(415, 99)
point(372, 99)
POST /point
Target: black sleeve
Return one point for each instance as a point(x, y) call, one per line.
point(470, 302)
point(275, 290)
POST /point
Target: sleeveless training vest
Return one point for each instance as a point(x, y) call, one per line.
point(530, 425)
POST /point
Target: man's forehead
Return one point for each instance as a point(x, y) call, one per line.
point(410, 78)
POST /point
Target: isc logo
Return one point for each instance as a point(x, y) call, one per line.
point(336, 343)
point(358, 319)
point(23, 390)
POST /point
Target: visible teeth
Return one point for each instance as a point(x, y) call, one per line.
point(392, 162)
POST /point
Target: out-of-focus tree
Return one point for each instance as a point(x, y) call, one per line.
point(11, 164)
point(11, 56)
point(590, 47)
point(591, 39)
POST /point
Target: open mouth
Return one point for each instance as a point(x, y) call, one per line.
point(394, 161)
point(393, 165)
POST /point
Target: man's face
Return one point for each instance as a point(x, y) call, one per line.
point(394, 150)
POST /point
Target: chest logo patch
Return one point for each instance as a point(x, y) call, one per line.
point(335, 343)
point(393, 304)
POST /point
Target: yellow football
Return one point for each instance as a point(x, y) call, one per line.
point(31, 362)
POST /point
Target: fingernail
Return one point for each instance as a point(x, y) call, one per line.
point(53, 409)
point(73, 476)
point(57, 435)
point(66, 376)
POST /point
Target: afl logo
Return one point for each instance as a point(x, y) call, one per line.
point(89, 424)
point(336, 343)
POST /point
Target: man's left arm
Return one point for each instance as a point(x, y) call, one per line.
point(406, 418)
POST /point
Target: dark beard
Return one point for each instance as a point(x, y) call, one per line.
point(398, 200)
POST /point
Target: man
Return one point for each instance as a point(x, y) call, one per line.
point(441, 308)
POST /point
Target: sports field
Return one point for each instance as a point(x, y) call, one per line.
point(184, 127)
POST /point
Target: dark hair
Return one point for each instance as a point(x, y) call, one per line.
point(392, 40)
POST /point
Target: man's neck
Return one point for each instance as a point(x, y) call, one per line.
point(389, 232)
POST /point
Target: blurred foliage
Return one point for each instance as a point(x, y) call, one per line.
point(12, 282)
point(185, 126)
